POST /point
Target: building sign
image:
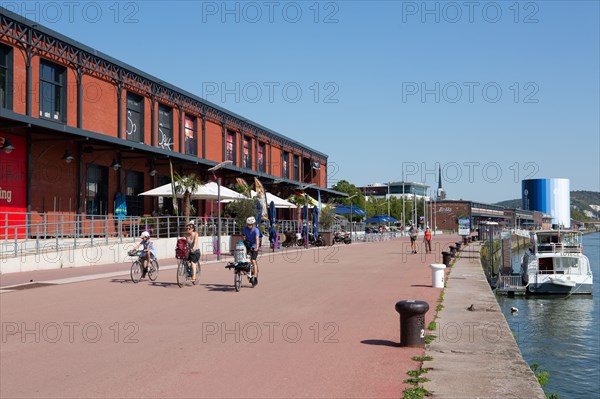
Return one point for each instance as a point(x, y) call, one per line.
point(464, 226)
point(13, 189)
point(446, 209)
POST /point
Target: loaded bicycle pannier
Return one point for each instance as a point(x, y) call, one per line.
point(182, 249)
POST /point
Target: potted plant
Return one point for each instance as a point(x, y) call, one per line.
point(326, 221)
point(241, 210)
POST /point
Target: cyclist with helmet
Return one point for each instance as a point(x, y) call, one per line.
point(148, 247)
point(251, 240)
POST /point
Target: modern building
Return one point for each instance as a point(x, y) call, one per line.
point(396, 189)
point(78, 127)
point(552, 196)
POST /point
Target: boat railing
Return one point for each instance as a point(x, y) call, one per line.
point(558, 248)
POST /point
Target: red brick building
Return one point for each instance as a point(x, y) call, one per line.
point(83, 127)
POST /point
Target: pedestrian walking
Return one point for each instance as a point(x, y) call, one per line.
point(412, 233)
point(427, 240)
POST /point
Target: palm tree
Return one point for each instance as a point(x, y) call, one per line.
point(186, 185)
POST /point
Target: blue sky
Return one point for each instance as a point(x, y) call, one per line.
point(493, 92)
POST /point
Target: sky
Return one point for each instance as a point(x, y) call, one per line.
point(490, 92)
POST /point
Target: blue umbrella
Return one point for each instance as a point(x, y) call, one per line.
point(346, 210)
point(315, 212)
point(381, 219)
point(272, 230)
point(304, 217)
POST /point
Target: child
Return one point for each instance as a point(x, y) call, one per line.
point(148, 247)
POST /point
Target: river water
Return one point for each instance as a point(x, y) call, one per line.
point(562, 335)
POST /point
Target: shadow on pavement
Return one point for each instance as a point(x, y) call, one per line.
point(220, 287)
point(380, 342)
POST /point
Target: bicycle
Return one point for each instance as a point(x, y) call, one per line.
point(137, 267)
point(241, 268)
point(184, 272)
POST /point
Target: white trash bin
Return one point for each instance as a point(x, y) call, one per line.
point(437, 275)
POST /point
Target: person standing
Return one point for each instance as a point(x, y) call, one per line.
point(427, 240)
point(412, 233)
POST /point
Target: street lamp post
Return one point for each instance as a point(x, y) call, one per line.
point(351, 227)
point(213, 170)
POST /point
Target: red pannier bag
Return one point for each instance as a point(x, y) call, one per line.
point(182, 250)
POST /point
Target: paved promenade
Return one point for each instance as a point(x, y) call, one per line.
point(321, 323)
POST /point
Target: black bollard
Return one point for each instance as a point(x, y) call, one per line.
point(446, 256)
point(412, 322)
point(465, 240)
point(458, 245)
point(452, 250)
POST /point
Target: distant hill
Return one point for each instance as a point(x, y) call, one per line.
point(584, 205)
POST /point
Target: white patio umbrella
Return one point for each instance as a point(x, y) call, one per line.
point(206, 191)
point(278, 201)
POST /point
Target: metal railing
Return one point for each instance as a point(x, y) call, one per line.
point(32, 232)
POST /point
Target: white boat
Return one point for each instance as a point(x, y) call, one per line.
point(555, 264)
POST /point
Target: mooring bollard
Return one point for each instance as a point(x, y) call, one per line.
point(458, 245)
point(446, 257)
point(412, 322)
point(452, 250)
point(437, 275)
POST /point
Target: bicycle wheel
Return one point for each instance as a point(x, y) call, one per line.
point(198, 269)
point(181, 272)
point(136, 271)
point(153, 271)
point(237, 280)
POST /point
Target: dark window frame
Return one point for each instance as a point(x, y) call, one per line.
point(296, 167)
point(165, 127)
point(134, 185)
point(261, 166)
point(50, 88)
point(96, 175)
point(231, 154)
point(285, 164)
point(190, 145)
point(132, 102)
point(6, 77)
point(247, 156)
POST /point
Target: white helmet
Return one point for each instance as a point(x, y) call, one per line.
point(145, 234)
point(250, 220)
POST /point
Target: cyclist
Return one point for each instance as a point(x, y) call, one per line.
point(251, 240)
point(148, 247)
point(192, 239)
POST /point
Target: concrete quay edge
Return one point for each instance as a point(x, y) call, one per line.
point(475, 354)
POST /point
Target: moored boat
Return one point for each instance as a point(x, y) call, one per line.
point(555, 264)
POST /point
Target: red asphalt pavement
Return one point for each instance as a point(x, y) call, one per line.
point(321, 323)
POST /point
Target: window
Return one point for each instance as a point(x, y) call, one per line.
point(135, 118)
point(53, 92)
point(134, 185)
point(6, 69)
point(247, 158)
point(96, 190)
point(191, 141)
point(261, 157)
point(230, 152)
point(285, 160)
point(165, 128)
point(296, 167)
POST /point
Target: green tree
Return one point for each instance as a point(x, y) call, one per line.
point(344, 186)
point(186, 185)
point(241, 209)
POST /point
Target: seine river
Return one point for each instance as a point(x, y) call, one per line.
point(562, 335)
